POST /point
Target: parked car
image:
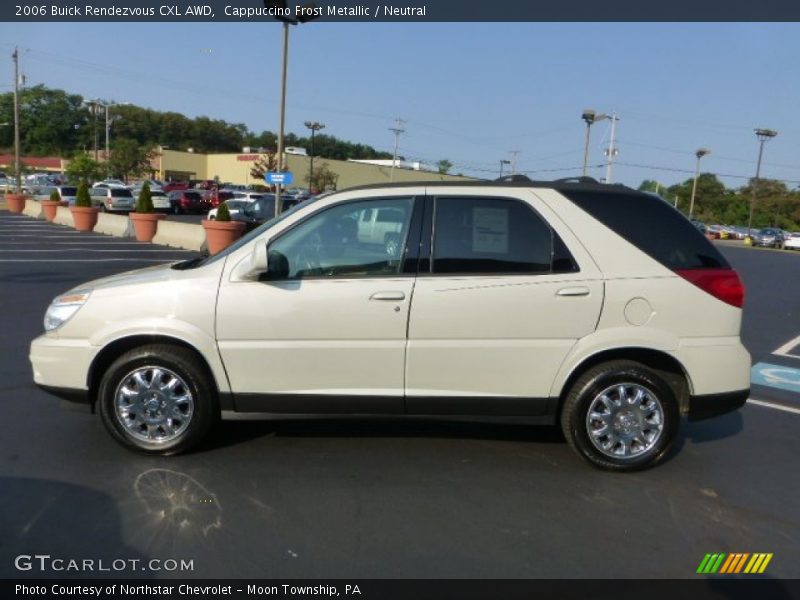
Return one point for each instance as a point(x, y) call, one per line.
point(792, 241)
point(234, 207)
point(161, 201)
point(110, 183)
point(67, 193)
point(768, 237)
point(592, 306)
point(262, 209)
point(700, 225)
point(113, 199)
point(154, 185)
point(172, 186)
point(216, 197)
point(188, 201)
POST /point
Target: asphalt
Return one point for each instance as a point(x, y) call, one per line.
point(382, 498)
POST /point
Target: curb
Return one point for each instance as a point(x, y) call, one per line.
point(180, 235)
point(33, 209)
point(115, 225)
point(64, 217)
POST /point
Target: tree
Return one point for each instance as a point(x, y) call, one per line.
point(82, 197)
point(84, 168)
point(145, 202)
point(267, 163)
point(323, 179)
point(129, 159)
point(444, 166)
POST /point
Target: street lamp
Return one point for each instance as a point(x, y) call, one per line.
point(503, 161)
point(700, 153)
point(108, 105)
point(307, 13)
point(314, 126)
point(590, 117)
point(763, 135)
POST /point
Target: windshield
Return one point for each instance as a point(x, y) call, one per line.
point(246, 238)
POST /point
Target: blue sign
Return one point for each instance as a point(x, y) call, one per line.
point(282, 178)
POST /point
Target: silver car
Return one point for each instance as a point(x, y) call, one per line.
point(113, 199)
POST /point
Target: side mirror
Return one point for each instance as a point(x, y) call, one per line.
point(254, 265)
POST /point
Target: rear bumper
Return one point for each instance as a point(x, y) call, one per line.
point(707, 406)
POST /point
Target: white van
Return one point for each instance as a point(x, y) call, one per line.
point(593, 306)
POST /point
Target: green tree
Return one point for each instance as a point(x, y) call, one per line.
point(82, 197)
point(223, 214)
point(129, 159)
point(444, 166)
point(144, 204)
point(324, 178)
point(84, 168)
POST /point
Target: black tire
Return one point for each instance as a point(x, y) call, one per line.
point(589, 386)
point(184, 364)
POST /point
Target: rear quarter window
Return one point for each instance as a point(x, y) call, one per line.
point(118, 193)
point(652, 225)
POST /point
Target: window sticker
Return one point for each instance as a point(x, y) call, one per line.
point(490, 230)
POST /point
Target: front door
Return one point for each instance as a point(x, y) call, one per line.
point(325, 332)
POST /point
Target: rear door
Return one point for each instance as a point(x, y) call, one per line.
point(503, 293)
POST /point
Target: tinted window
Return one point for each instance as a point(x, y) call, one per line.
point(118, 193)
point(193, 196)
point(69, 191)
point(651, 225)
point(490, 235)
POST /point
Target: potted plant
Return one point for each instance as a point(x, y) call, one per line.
point(51, 206)
point(83, 213)
point(145, 219)
point(15, 201)
point(222, 232)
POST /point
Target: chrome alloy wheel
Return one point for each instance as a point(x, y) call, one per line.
point(625, 420)
point(153, 404)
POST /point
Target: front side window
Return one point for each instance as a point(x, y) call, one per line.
point(337, 242)
point(490, 236)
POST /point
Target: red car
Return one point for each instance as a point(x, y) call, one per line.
point(175, 185)
point(188, 201)
point(217, 197)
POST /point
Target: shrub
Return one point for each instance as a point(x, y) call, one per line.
point(55, 196)
point(145, 202)
point(223, 214)
point(82, 197)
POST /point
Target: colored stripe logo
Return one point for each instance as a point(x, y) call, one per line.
point(734, 563)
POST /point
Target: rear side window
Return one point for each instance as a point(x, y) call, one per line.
point(118, 193)
point(69, 191)
point(652, 225)
point(494, 236)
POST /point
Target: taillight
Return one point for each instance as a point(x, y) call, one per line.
point(723, 284)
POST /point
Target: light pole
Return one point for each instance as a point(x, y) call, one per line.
point(763, 135)
point(503, 161)
point(314, 126)
point(17, 165)
point(612, 151)
point(108, 125)
point(590, 117)
point(307, 13)
point(700, 153)
point(397, 129)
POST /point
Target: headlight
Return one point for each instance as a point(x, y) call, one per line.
point(63, 307)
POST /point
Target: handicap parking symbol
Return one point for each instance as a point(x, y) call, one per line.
point(784, 378)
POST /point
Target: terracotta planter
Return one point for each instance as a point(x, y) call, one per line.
point(145, 225)
point(15, 202)
point(221, 234)
point(49, 208)
point(85, 217)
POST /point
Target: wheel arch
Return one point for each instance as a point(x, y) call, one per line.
point(113, 350)
point(666, 365)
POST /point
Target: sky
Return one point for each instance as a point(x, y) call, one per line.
point(468, 92)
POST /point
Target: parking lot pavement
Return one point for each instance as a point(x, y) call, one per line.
point(379, 497)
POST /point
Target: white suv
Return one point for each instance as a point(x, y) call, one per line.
point(593, 306)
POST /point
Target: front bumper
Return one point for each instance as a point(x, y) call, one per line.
point(713, 405)
point(61, 363)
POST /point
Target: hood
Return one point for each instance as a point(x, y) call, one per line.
point(163, 272)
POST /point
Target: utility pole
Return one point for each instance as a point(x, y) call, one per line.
point(397, 129)
point(17, 166)
point(612, 150)
point(503, 161)
point(283, 115)
point(513, 161)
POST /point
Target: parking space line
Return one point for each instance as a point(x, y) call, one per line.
point(781, 407)
point(784, 350)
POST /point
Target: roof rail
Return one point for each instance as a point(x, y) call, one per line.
point(515, 178)
point(582, 179)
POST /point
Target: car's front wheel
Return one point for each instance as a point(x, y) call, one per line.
point(621, 416)
point(156, 399)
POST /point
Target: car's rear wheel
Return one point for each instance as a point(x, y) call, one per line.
point(156, 399)
point(621, 416)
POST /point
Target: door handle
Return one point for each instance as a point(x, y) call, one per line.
point(573, 291)
point(388, 296)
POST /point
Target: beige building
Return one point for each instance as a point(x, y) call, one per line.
point(235, 168)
